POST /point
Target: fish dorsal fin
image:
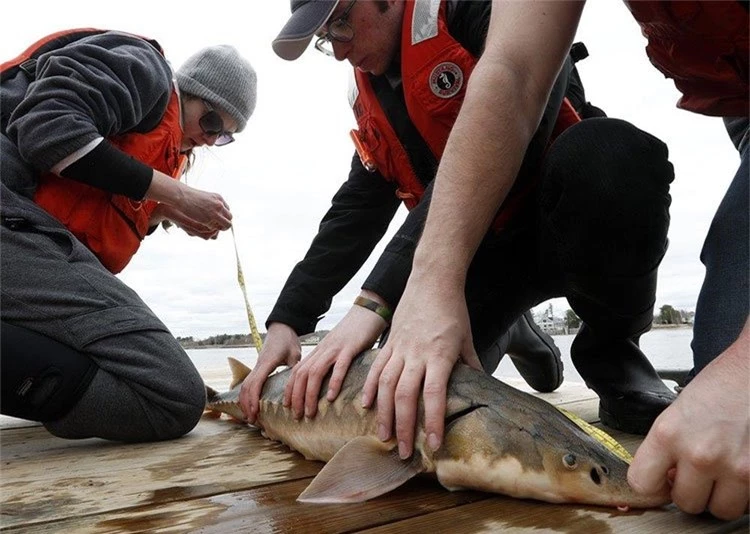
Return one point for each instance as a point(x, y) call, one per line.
point(239, 371)
point(362, 469)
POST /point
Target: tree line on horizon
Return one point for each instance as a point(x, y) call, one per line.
point(238, 340)
point(667, 315)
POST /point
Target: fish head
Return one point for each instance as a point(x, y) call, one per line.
point(583, 464)
point(535, 451)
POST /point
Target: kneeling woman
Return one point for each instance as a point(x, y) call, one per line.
point(96, 131)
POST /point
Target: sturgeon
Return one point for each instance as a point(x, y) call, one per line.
point(497, 439)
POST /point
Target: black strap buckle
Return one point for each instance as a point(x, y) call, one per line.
point(29, 67)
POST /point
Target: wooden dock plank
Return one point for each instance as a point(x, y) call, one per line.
point(503, 514)
point(47, 478)
point(271, 508)
point(419, 506)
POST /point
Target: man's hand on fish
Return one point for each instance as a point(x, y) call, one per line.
point(281, 347)
point(430, 333)
point(356, 332)
point(701, 444)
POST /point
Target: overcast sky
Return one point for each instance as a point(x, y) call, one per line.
point(280, 174)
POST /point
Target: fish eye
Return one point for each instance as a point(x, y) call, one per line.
point(569, 461)
point(604, 469)
point(595, 476)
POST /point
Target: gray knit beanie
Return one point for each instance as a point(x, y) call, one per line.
point(221, 76)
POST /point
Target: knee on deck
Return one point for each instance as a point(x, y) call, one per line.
point(604, 196)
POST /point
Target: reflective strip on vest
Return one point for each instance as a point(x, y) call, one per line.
point(424, 20)
point(353, 89)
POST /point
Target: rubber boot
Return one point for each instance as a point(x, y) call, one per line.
point(606, 354)
point(535, 355)
point(631, 394)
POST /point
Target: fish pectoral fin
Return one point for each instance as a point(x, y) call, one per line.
point(362, 469)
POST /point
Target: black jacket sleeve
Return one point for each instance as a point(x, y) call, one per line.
point(390, 274)
point(356, 221)
point(98, 86)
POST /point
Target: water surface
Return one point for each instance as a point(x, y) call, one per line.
point(666, 348)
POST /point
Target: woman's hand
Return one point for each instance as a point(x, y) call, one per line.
point(200, 213)
point(192, 228)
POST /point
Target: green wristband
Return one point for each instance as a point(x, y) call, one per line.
point(384, 311)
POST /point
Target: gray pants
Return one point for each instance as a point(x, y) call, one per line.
point(146, 387)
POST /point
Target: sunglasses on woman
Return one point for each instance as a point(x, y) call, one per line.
point(213, 125)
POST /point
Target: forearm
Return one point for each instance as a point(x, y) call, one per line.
point(475, 175)
point(512, 79)
point(108, 168)
point(736, 359)
point(165, 189)
point(313, 282)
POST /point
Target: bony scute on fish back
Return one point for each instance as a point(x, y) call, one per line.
point(497, 439)
point(599, 435)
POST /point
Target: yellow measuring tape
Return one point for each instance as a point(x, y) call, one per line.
point(250, 317)
point(599, 435)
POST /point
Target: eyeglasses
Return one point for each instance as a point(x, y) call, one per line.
point(338, 30)
point(212, 124)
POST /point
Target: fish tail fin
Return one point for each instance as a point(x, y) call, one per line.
point(211, 394)
point(211, 397)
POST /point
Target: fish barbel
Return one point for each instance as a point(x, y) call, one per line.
point(497, 439)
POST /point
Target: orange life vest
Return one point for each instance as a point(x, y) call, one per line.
point(703, 47)
point(111, 226)
point(435, 69)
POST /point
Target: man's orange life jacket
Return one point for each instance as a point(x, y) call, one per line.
point(703, 47)
point(435, 69)
point(111, 226)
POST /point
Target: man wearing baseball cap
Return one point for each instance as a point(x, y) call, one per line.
point(579, 207)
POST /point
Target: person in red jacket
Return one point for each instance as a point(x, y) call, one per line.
point(701, 444)
point(96, 131)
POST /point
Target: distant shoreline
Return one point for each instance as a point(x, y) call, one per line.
point(240, 346)
point(314, 343)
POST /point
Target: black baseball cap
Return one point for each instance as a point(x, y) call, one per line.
point(308, 16)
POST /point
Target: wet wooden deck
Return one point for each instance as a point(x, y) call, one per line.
point(224, 477)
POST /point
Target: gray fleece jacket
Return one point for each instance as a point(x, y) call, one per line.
point(95, 87)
